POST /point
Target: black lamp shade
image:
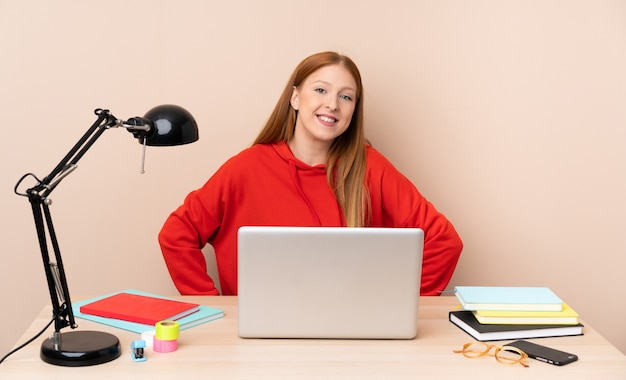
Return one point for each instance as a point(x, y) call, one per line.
point(173, 125)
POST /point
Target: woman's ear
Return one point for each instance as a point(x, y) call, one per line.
point(295, 103)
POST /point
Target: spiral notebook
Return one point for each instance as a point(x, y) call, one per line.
point(139, 308)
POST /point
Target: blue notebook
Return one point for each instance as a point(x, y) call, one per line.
point(508, 298)
point(205, 314)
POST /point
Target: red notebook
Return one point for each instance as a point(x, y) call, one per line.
point(140, 309)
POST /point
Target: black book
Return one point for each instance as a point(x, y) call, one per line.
point(466, 321)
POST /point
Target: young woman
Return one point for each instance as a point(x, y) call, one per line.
point(310, 166)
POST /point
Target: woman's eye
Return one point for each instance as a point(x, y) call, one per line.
point(320, 90)
point(346, 97)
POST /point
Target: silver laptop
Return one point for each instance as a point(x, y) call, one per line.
point(329, 282)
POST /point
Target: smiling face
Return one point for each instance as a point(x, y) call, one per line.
point(324, 102)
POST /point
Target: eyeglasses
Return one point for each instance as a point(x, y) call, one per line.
point(504, 354)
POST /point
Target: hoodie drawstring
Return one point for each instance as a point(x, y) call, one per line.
point(294, 175)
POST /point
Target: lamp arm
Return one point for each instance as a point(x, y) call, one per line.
point(55, 273)
point(38, 197)
point(68, 163)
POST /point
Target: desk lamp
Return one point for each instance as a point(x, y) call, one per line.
point(164, 125)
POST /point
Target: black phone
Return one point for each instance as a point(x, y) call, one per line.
point(543, 353)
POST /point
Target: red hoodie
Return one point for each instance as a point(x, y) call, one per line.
point(266, 185)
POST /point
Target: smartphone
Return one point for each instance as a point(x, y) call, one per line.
point(543, 353)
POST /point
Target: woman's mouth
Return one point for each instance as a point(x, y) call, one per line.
point(327, 119)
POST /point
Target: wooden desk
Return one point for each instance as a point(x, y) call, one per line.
point(214, 351)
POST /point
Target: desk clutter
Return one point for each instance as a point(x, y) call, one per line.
point(159, 320)
point(164, 338)
point(499, 313)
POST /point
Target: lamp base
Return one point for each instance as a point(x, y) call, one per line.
point(81, 348)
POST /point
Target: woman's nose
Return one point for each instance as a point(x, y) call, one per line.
point(331, 104)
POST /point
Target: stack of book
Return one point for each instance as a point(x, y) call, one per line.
point(498, 313)
point(138, 311)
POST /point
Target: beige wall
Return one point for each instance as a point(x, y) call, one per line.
point(509, 115)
